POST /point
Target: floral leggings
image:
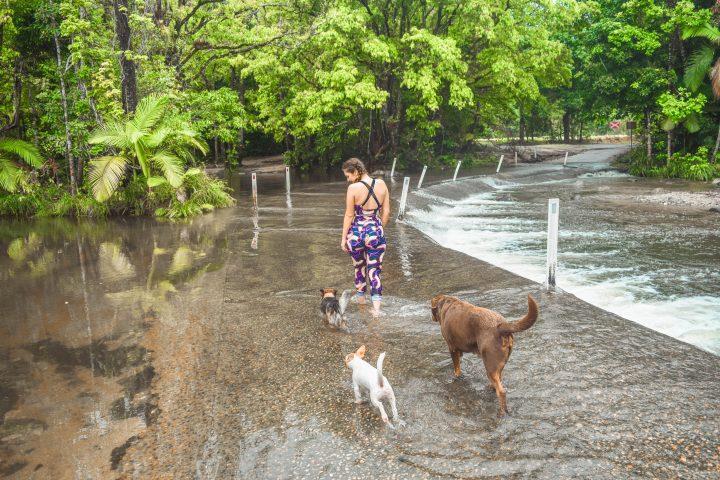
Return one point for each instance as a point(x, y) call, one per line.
point(366, 243)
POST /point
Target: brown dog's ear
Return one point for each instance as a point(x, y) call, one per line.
point(361, 351)
point(435, 307)
point(322, 292)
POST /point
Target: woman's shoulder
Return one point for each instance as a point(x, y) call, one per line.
point(380, 182)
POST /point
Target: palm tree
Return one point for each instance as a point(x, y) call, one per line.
point(144, 141)
point(703, 63)
point(12, 174)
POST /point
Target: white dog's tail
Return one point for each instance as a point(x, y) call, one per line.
point(379, 368)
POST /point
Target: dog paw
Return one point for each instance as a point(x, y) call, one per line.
point(358, 401)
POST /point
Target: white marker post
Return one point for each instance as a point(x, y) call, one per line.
point(422, 176)
point(392, 170)
point(457, 169)
point(552, 241)
point(254, 190)
point(535, 153)
point(500, 163)
point(515, 157)
point(403, 197)
point(565, 161)
point(287, 179)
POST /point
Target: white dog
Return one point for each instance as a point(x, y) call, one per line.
point(370, 379)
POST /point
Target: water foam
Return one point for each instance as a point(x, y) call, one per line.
point(591, 267)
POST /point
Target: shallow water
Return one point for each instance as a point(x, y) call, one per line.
point(145, 349)
point(657, 266)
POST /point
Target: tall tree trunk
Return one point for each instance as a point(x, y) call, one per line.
point(717, 145)
point(566, 127)
point(670, 135)
point(127, 65)
point(581, 132)
point(237, 83)
point(63, 96)
point(521, 128)
point(648, 133)
point(16, 96)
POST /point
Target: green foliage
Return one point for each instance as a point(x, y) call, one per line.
point(420, 80)
point(12, 175)
point(146, 142)
point(681, 107)
point(690, 166)
point(51, 201)
point(203, 194)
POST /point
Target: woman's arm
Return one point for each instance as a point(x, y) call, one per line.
point(348, 218)
point(386, 207)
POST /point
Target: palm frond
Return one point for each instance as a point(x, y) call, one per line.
point(185, 153)
point(156, 181)
point(10, 175)
point(149, 111)
point(667, 124)
point(706, 31)
point(191, 138)
point(692, 123)
point(111, 134)
point(26, 151)
point(156, 138)
point(133, 133)
point(698, 67)
point(170, 165)
point(106, 173)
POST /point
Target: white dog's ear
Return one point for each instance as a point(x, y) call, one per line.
point(361, 351)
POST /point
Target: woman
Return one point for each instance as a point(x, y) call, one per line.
point(362, 234)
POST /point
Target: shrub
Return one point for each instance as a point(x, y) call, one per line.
point(199, 193)
point(690, 166)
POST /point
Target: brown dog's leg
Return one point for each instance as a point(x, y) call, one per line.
point(456, 356)
point(496, 380)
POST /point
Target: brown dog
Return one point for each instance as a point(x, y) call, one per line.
point(470, 329)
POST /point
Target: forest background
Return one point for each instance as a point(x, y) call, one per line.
point(114, 106)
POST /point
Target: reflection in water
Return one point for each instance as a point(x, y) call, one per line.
point(80, 302)
point(256, 230)
point(404, 251)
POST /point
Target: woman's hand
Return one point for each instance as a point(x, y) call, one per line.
point(343, 244)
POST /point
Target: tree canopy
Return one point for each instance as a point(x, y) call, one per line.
point(320, 80)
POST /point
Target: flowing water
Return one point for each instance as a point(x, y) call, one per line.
point(135, 348)
point(655, 265)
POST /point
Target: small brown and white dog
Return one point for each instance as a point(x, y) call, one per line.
point(470, 329)
point(333, 309)
point(367, 378)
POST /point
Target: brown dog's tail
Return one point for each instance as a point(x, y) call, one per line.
point(524, 323)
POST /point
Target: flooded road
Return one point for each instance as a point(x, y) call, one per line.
point(196, 351)
point(620, 249)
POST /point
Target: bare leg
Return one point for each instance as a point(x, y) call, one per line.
point(376, 308)
point(360, 298)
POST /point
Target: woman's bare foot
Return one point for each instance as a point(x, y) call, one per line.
point(376, 308)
